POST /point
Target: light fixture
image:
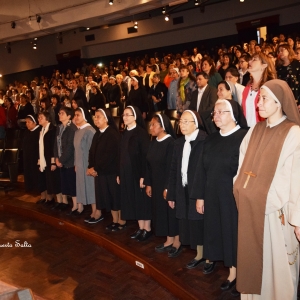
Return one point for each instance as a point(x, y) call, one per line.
point(167, 18)
point(135, 25)
point(196, 2)
point(241, 0)
point(163, 11)
point(87, 28)
point(34, 46)
point(0, 75)
point(111, 2)
point(13, 24)
point(35, 39)
point(38, 18)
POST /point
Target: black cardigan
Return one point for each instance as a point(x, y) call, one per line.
point(49, 139)
point(104, 152)
point(175, 189)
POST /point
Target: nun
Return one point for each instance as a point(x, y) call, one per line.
point(186, 153)
point(227, 90)
point(135, 205)
point(85, 186)
point(213, 187)
point(159, 158)
point(30, 157)
point(103, 166)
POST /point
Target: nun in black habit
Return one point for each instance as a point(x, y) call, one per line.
point(103, 166)
point(213, 186)
point(30, 157)
point(159, 158)
point(186, 154)
point(135, 205)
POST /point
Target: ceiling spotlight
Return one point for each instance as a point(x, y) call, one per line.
point(135, 25)
point(0, 75)
point(196, 2)
point(87, 28)
point(35, 39)
point(111, 2)
point(163, 10)
point(38, 18)
point(13, 24)
point(241, 0)
point(34, 46)
point(167, 18)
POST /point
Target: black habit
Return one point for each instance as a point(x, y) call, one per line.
point(30, 159)
point(214, 184)
point(138, 98)
point(104, 158)
point(191, 222)
point(135, 204)
point(159, 158)
point(160, 92)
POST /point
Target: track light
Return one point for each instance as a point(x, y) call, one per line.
point(34, 46)
point(167, 18)
point(135, 25)
point(241, 0)
point(13, 24)
point(196, 2)
point(163, 11)
point(35, 39)
point(87, 28)
point(38, 18)
point(111, 2)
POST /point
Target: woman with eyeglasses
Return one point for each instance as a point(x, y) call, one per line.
point(186, 153)
point(135, 205)
point(213, 187)
point(261, 69)
point(164, 219)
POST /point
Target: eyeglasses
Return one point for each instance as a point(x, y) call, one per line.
point(219, 112)
point(127, 115)
point(185, 122)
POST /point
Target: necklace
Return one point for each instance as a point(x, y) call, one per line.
point(253, 89)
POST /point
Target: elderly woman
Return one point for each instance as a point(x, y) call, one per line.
point(187, 151)
point(261, 69)
point(158, 168)
point(85, 186)
point(213, 185)
point(267, 196)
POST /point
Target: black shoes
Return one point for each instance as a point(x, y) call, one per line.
point(72, 212)
point(119, 227)
point(174, 252)
point(136, 233)
point(194, 263)
point(56, 206)
point(228, 285)
point(209, 268)
point(162, 248)
point(86, 220)
point(41, 201)
point(111, 226)
point(63, 206)
point(235, 293)
point(144, 235)
point(94, 221)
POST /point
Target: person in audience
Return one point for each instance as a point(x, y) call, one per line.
point(208, 67)
point(103, 166)
point(203, 101)
point(163, 71)
point(2, 122)
point(186, 85)
point(172, 90)
point(78, 92)
point(64, 158)
point(147, 78)
point(243, 69)
point(11, 113)
point(169, 78)
point(213, 184)
point(233, 76)
point(114, 93)
point(288, 69)
point(124, 91)
point(49, 173)
point(227, 64)
point(134, 145)
point(252, 45)
point(85, 185)
point(261, 69)
point(186, 153)
point(297, 53)
point(46, 106)
point(56, 105)
point(158, 94)
point(88, 87)
point(96, 99)
point(24, 109)
point(104, 86)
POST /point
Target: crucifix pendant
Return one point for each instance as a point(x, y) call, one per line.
point(250, 174)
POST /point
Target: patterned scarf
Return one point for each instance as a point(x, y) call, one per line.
point(183, 82)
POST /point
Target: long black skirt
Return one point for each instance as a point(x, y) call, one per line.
point(107, 193)
point(53, 180)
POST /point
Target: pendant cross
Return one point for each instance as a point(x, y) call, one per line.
point(250, 174)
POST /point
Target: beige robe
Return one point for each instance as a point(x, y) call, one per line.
point(280, 279)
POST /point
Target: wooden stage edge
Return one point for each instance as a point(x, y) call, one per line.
point(151, 268)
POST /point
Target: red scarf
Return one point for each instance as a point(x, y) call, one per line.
point(244, 99)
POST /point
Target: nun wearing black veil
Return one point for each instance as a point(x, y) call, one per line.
point(135, 205)
point(213, 187)
point(159, 158)
point(186, 154)
point(103, 166)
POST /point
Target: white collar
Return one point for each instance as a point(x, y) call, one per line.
point(236, 128)
point(203, 89)
point(83, 126)
point(37, 126)
point(276, 123)
point(102, 130)
point(164, 138)
point(131, 127)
